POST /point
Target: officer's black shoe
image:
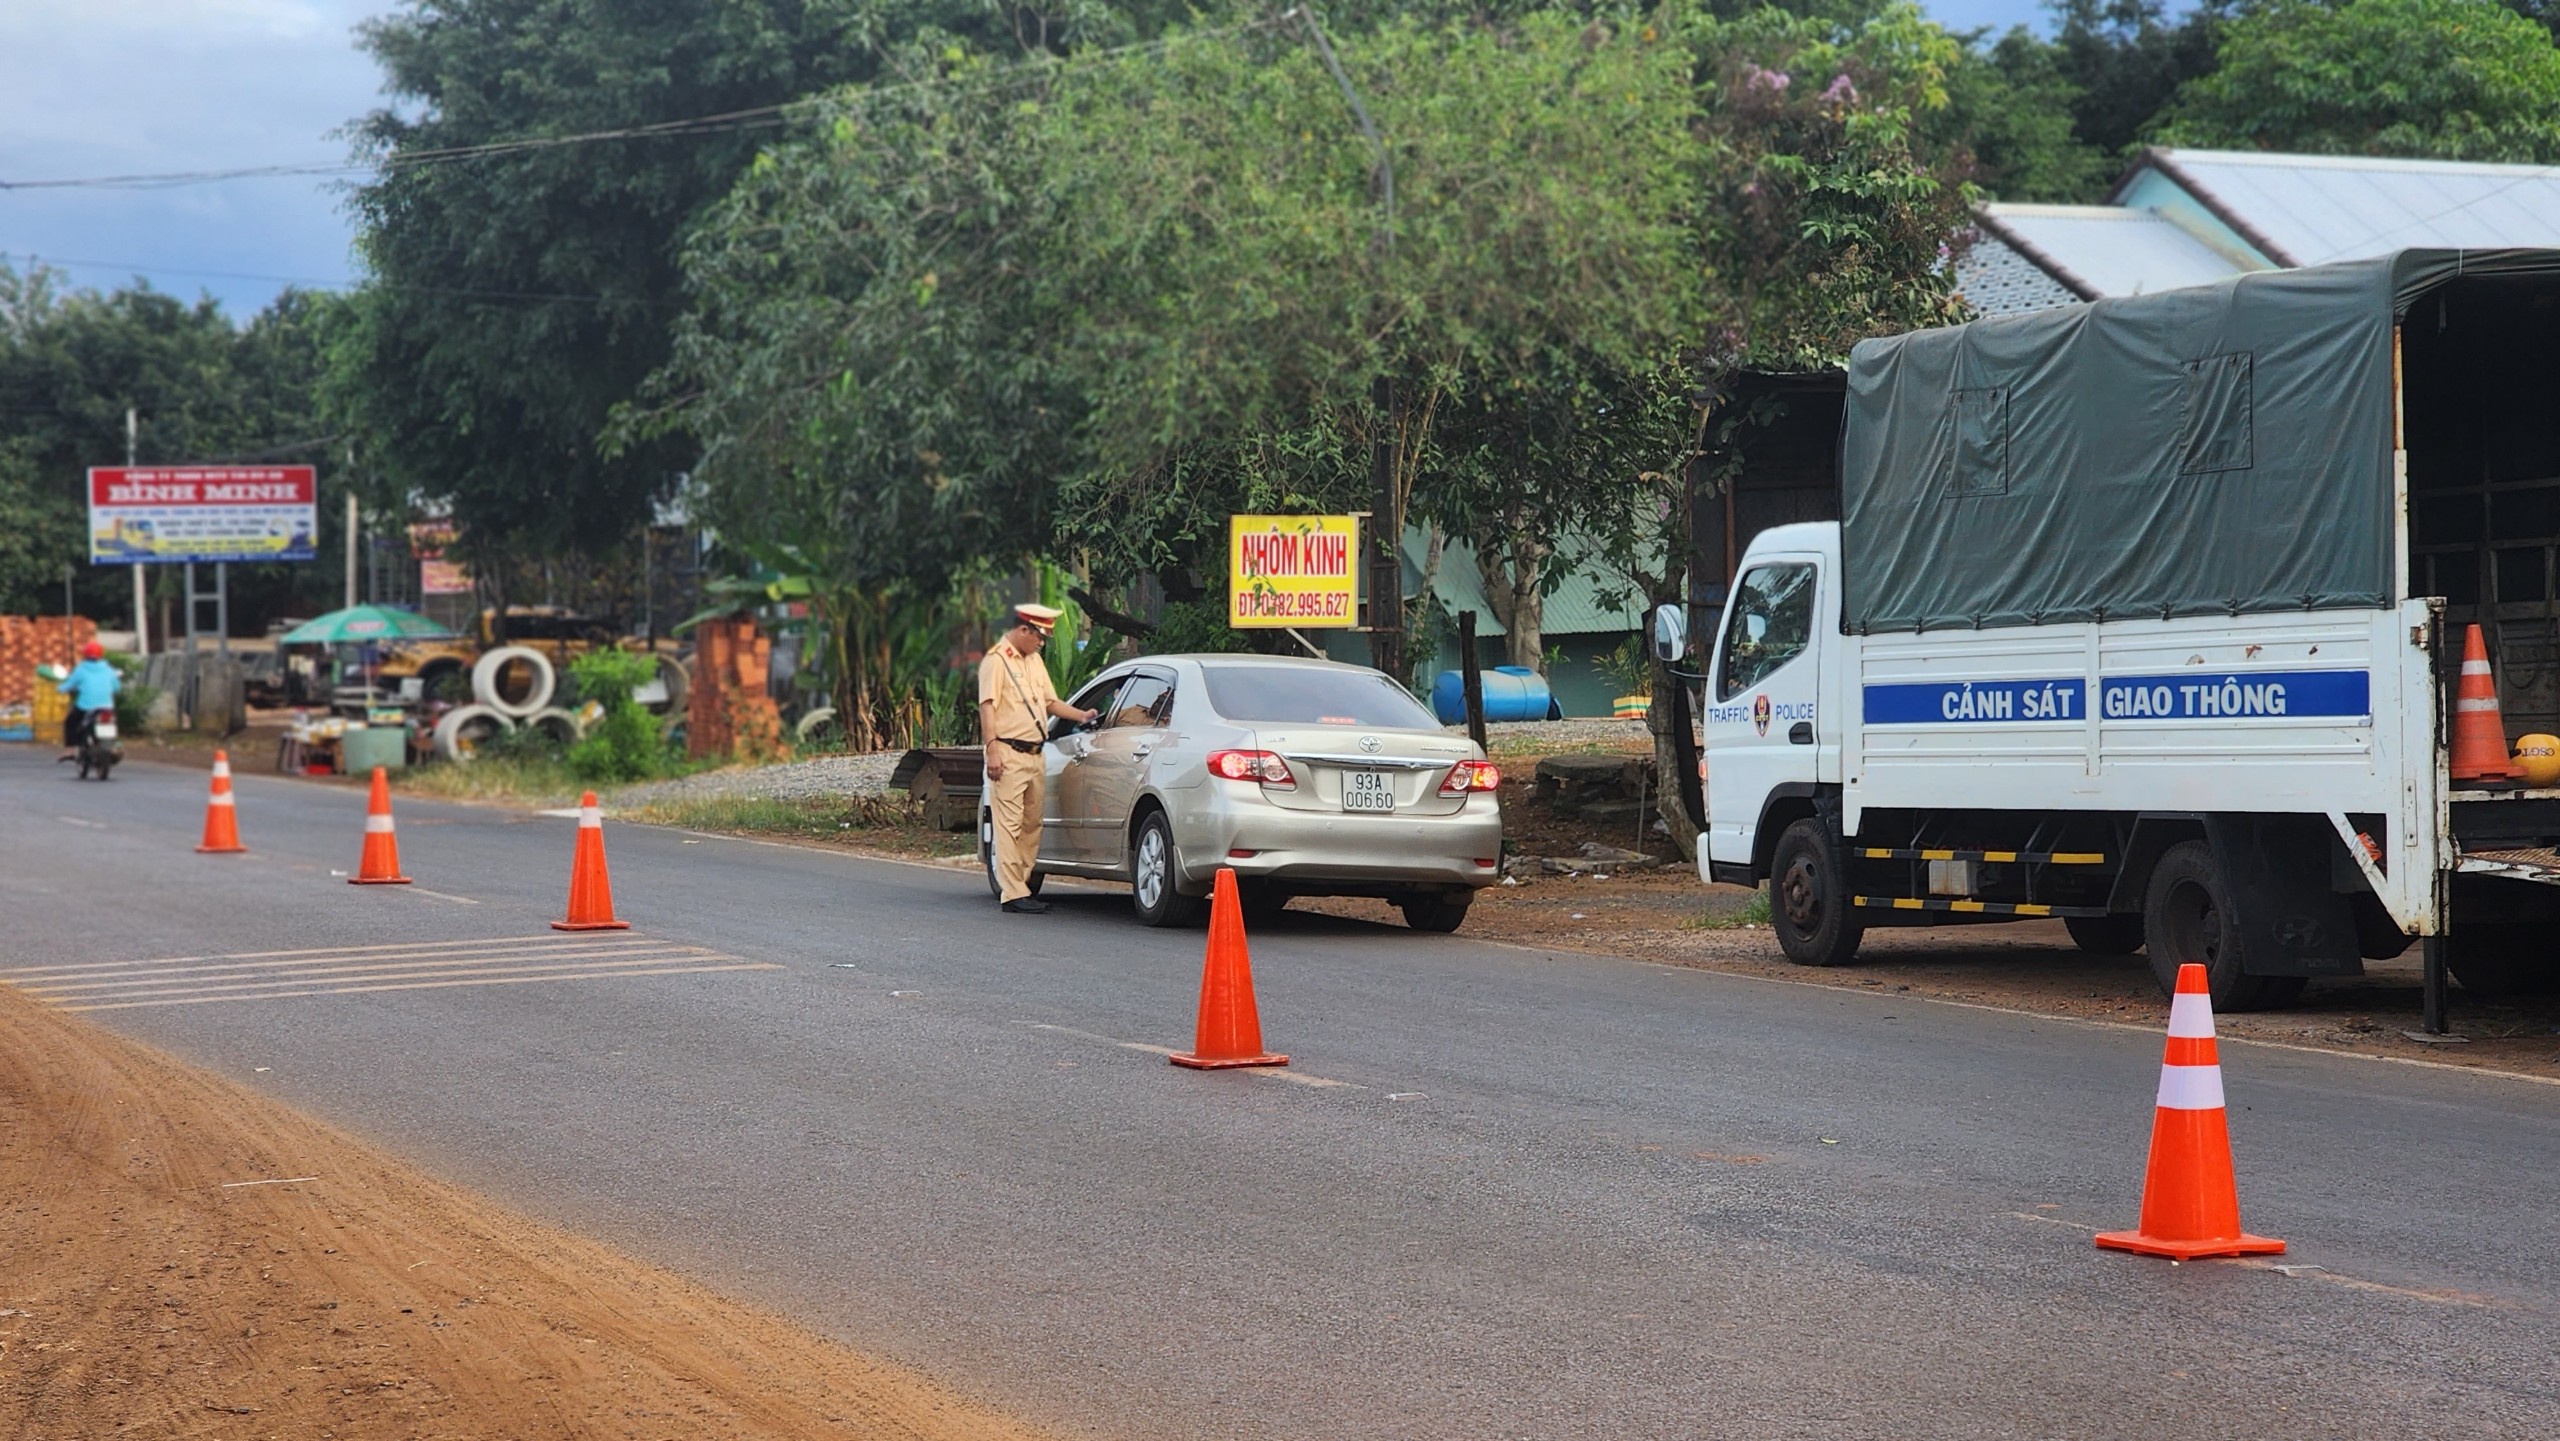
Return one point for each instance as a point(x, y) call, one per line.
point(1027, 906)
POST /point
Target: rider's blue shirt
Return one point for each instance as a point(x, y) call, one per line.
point(92, 685)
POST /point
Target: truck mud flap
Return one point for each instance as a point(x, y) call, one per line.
point(2277, 869)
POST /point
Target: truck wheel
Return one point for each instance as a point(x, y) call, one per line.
point(2501, 959)
point(2112, 935)
point(2182, 921)
point(1809, 898)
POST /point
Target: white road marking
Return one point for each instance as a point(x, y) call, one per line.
point(279, 1181)
point(439, 895)
point(435, 986)
point(1268, 1073)
point(352, 970)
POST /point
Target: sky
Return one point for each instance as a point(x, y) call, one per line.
point(132, 87)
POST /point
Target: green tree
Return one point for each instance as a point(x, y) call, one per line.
point(2012, 105)
point(2452, 79)
point(2125, 59)
point(73, 361)
point(527, 292)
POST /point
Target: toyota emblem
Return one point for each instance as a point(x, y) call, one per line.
point(1371, 744)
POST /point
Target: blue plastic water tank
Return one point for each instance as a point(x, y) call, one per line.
point(1511, 693)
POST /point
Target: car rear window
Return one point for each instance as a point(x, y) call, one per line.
point(1309, 695)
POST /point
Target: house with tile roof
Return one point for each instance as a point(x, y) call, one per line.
point(2191, 217)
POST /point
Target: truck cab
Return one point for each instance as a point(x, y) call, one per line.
point(1771, 734)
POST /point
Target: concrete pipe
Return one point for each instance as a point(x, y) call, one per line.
point(461, 730)
point(494, 667)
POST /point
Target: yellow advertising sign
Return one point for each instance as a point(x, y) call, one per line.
point(1293, 570)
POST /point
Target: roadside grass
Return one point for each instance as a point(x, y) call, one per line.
point(1751, 912)
point(533, 779)
point(891, 824)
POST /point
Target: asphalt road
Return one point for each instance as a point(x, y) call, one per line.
point(1499, 1194)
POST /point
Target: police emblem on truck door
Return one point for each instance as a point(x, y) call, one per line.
point(1760, 714)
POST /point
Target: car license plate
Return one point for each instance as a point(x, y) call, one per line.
point(1368, 791)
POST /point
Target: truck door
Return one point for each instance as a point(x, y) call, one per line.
point(1761, 701)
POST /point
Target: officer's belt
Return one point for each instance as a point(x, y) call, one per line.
point(1029, 748)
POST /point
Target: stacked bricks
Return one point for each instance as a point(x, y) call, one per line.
point(730, 714)
point(26, 644)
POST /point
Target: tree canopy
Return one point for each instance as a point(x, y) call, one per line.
point(2451, 79)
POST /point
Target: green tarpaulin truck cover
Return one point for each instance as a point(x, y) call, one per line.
point(2225, 449)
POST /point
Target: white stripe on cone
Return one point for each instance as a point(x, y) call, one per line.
point(222, 769)
point(2475, 667)
point(220, 798)
point(377, 825)
point(2191, 1015)
point(2475, 705)
point(590, 818)
point(2191, 1088)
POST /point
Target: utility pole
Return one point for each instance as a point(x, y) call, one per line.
point(351, 547)
point(141, 601)
point(1386, 513)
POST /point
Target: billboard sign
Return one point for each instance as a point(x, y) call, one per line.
point(428, 541)
point(1293, 570)
point(166, 513)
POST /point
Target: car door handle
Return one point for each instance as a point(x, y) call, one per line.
point(1800, 734)
point(1142, 752)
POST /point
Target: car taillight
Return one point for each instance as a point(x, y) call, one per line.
point(1262, 766)
point(1468, 776)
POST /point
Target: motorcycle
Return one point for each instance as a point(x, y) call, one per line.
point(100, 748)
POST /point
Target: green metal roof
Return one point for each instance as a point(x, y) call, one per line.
point(1574, 607)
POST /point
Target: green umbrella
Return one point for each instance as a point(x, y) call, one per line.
point(360, 624)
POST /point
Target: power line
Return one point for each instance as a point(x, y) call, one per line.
point(335, 286)
point(762, 117)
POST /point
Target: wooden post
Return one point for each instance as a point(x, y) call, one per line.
point(1473, 672)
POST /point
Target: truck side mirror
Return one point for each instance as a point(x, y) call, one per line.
point(1670, 633)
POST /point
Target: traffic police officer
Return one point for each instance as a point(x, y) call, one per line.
point(1015, 702)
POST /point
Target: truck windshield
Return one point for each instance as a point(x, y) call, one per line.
point(1772, 617)
point(1313, 695)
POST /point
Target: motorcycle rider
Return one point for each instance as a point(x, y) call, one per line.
point(92, 686)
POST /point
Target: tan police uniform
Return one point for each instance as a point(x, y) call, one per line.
point(1019, 686)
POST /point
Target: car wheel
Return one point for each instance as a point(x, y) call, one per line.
point(1262, 902)
point(1438, 912)
point(1809, 898)
point(1154, 869)
point(987, 855)
point(2109, 935)
point(2184, 917)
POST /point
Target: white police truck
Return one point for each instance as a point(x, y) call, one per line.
point(2144, 616)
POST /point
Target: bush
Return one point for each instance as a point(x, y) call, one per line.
point(133, 698)
point(625, 745)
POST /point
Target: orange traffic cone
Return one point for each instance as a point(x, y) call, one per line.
point(590, 889)
point(1230, 1029)
point(2479, 732)
point(381, 865)
point(2190, 1207)
point(221, 826)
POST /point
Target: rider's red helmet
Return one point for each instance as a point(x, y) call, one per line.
point(93, 651)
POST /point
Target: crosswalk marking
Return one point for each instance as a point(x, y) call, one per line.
point(152, 970)
point(358, 970)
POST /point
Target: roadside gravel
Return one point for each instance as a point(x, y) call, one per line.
point(827, 776)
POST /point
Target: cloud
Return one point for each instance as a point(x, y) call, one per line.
point(114, 87)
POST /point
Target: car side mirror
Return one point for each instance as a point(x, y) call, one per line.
point(1670, 633)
